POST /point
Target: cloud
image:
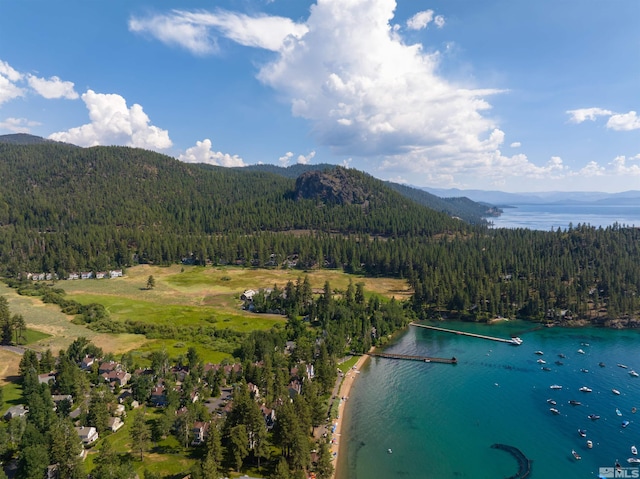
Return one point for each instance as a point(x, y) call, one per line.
point(285, 159)
point(53, 87)
point(515, 144)
point(367, 93)
point(591, 169)
point(194, 30)
point(113, 123)
point(624, 122)
point(421, 19)
point(617, 121)
point(202, 153)
point(17, 125)
point(619, 166)
point(9, 78)
point(584, 114)
point(305, 160)
point(14, 84)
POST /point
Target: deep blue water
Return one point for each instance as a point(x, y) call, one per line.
point(553, 216)
point(440, 420)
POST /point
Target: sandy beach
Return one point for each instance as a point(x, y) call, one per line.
point(343, 394)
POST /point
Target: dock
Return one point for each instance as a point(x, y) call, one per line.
point(463, 333)
point(424, 359)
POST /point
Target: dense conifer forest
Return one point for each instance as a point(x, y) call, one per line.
point(66, 209)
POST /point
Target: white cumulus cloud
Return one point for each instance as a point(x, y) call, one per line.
point(306, 159)
point(583, 114)
point(624, 122)
point(18, 125)
point(9, 78)
point(114, 123)
point(620, 166)
point(52, 87)
point(195, 31)
point(285, 159)
point(202, 153)
point(422, 19)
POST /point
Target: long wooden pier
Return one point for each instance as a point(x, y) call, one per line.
point(424, 359)
point(463, 333)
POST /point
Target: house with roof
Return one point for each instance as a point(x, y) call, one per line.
point(107, 367)
point(88, 434)
point(16, 411)
point(200, 432)
point(87, 362)
point(117, 378)
point(114, 423)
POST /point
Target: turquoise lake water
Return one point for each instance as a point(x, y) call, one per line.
point(440, 420)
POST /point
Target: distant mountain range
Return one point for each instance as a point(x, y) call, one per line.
point(503, 199)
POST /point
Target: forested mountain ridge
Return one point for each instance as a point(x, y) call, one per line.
point(67, 209)
point(470, 211)
point(102, 205)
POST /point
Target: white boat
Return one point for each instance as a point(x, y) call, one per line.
point(539, 353)
point(585, 389)
point(389, 451)
point(618, 412)
point(589, 443)
point(622, 366)
point(616, 392)
point(554, 410)
point(576, 455)
point(634, 450)
point(555, 386)
point(582, 432)
point(541, 361)
point(580, 351)
point(633, 460)
point(633, 373)
point(552, 402)
point(516, 340)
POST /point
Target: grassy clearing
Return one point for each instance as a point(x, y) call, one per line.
point(182, 296)
point(175, 348)
point(166, 457)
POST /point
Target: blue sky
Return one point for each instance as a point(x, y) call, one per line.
point(495, 94)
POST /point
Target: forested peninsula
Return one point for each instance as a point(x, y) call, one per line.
point(65, 209)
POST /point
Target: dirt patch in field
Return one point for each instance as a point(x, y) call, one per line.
point(9, 365)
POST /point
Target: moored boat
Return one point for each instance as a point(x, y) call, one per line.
point(580, 351)
point(573, 402)
point(633, 373)
point(601, 364)
point(554, 410)
point(633, 460)
point(516, 340)
point(540, 353)
point(582, 432)
point(616, 392)
point(634, 450)
point(555, 386)
point(552, 402)
point(625, 423)
point(541, 361)
point(576, 455)
point(593, 417)
point(618, 412)
point(589, 443)
point(585, 389)
point(623, 366)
